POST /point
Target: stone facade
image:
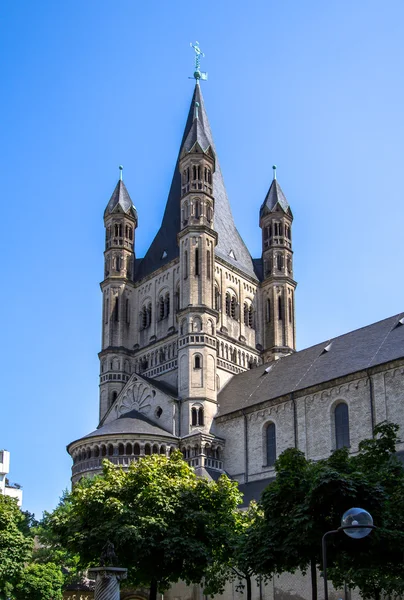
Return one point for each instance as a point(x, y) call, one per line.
point(198, 347)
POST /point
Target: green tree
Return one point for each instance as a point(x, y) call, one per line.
point(39, 582)
point(166, 524)
point(307, 499)
point(15, 545)
point(236, 564)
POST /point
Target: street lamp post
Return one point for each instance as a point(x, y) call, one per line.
point(357, 523)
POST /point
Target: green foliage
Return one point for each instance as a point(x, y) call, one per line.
point(39, 582)
point(237, 563)
point(165, 523)
point(307, 499)
point(15, 546)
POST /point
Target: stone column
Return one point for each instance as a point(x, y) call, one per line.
point(107, 582)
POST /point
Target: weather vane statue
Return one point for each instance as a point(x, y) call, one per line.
point(198, 74)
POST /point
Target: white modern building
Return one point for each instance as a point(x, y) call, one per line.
point(14, 490)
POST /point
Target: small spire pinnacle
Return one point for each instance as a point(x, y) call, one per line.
point(198, 74)
point(274, 169)
point(120, 172)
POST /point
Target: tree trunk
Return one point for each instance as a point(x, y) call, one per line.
point(313, 571)
point(248, 582)
point(153, 589)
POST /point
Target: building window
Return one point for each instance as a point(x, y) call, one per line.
point(228, 301)
point(197, 416)
point(233, 307)
point(268, 310)
point(290, 310)
point(271, 444)
point(197, 362)
point(161, 308)
point(127, 310)
point(185, 264)
point(116, 309)
point(208, 263)
point(279, 262)
point(106, 310)
point(217, 298)
point(341, 416)
point(167, 305)
point(280, 308)
point(196, 261)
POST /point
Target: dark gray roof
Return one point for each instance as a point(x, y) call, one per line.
point(229, 240)
point(361, 349)
point(132, 422)
point(252, 490)
point(120, 199)
point(196, 134)
point(166, 388)
point(274, 196)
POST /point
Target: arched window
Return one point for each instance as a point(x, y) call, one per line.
point(208, 264)
point(114, 396)
point(280, 308)
point(128, 449)
point(228, 302)
point(268, 310)
point(200, 416)
point(106, 310)
point(116, 230)
point(149, 314)
point(147, 450)
point(194, 416)
point(251, 316)
point(217, 298)
point(127, 310)
point(103, 451)
point(110, 450)
point(167, 305)
point(194, 172)
point(121, 450)
point(197, 362)
point(155, 449)
point(196, 261)
point(143, 316)
point(246, 307)
point(161, 308)
point(233, 307)
point(279, 262)
point(185, 264)
point(290, 310)
point(96, 452)
point(271, 444)
point(116, 309)
point(341, 416)
point(136, 449)
point(197, 209)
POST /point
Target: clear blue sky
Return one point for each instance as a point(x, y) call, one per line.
point(315, 87)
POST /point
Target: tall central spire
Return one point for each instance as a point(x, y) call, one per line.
point(230, 246)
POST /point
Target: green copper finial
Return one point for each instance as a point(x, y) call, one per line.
point(198, 74)
point(274, 168)
point(120, 172)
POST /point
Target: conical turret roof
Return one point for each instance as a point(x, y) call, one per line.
point(120, 199)
point(274, 196)
point(230, 246)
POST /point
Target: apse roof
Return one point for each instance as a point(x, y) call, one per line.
point(132, 422)
point(357, 350)
point(164, 247)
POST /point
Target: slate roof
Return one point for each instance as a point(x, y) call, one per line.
point(120, 197)
point(361, 349)
point(252, 490)
point(165, 242)
point(274, 196)
point(132, 422)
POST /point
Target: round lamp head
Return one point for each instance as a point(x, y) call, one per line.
point(356, 516)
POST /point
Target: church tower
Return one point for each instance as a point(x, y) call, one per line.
point(278, 286)
point(197, 316)
point(120, 221)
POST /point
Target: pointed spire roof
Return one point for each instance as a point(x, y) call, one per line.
point(274, 197)
point(230, 246)
point(120, 200)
